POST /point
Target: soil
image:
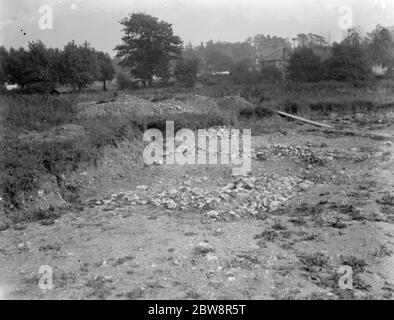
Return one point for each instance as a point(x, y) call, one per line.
point(109, 249)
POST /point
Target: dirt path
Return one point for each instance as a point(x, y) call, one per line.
point(125, 248)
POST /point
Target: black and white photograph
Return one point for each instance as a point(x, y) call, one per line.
point(196, 150)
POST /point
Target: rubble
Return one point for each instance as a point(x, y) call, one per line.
point(128, 104)
point(243, 196)
point(308, 154)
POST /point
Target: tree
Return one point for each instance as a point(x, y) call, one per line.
point(3, 58)
point(148, 46)
point(15, 65)
point(123, 80)
point(271, 74)
point(242, 73)
point(304, 65)
point(217, 60)
point(38, 67)
point(186, 70)
point(380, 47)
point(349, 60)
point(79, 65)
point(106, 70)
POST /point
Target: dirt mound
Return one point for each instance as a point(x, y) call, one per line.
point(132, 105)
point(47, 196)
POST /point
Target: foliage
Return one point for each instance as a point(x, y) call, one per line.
point(271, 74)
point(123, 80)
point(304, 65)
point(380, 47)
point(39, 68)
point(349, 60)
point(106, 70)
point(148, 46)
point(243, 73)
point(218, 61)
point(186, 70)
point(79, 65)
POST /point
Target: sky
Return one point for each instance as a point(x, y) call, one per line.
point(97, 21)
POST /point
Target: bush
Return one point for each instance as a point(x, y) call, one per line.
point(304, 66)
point(246, 112)
point(262, 112)
point(242, 73)
point(291, 107)
point(24, 162)
point(349, 61)
point(123, 80)
point(186, 71)
point(271, 74)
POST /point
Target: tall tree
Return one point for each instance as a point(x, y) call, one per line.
point(106, 68)
point(3, 59)
point(380, 46)
point(186, 70)
point(304, 65)
point(79, 65)
point(349, 60)
point(38, 64)
point(148, 46)
point(15, 66)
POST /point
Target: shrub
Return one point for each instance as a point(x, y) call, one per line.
point(291, 107)
point(123, 80)
point(186, 70)
point(304, 66)
point(242, 73)
point(246, 112)
point(262, 112)
point(349, 61)
point(271, 74)
point(24, 162)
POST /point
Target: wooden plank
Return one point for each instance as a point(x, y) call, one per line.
point(314, 123)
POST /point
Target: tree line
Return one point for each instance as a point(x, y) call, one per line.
point(40, 67)
point(351, 59)
point(149, 48)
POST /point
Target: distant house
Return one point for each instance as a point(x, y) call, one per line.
point(12, 86)
point(324, 52)
point(60, 90)
point(273, 57)
point(137, 82)
point(220, 73)
point(378, 70)
point(279, 57)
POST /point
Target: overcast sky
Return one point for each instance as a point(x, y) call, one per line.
point(193, 20)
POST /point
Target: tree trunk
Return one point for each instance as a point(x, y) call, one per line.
point(104, 85)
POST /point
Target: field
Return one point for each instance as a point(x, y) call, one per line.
point(78, 197)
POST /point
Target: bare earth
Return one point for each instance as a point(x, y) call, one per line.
point(116, 249)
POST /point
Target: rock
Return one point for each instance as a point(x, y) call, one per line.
point(141, 187)
point(305, 185)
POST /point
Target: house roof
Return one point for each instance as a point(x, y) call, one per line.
point(272, 54)
point(61, 89)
